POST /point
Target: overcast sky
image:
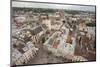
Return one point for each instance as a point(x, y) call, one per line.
point(52, 6)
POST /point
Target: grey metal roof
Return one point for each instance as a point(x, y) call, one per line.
point(37, 30)
point(51, 41)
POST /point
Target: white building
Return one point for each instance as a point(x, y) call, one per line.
point(47, 22)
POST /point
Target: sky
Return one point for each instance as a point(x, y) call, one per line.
point(52, 6)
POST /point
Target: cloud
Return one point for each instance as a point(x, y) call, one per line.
point(52, 6)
